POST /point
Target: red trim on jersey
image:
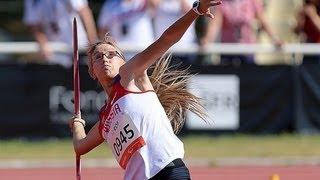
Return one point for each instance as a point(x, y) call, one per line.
point(117, 92)
point(134, 92)
point(130, 150)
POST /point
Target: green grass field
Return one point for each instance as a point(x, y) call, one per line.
point(209, 147)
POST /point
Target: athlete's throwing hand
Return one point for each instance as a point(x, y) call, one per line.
point(205, 5)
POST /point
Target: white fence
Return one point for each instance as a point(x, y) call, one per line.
point(219, 48)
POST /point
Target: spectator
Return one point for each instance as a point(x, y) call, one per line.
point(309, 27)
point(166, 13)
point(128, 21)
point(51, 21)
point(234, 19)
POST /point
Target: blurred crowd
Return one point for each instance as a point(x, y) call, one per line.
point(140, 22)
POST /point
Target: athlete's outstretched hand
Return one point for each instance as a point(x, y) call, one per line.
point(205, 6)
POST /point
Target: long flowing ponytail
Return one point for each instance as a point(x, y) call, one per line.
point(170, 84)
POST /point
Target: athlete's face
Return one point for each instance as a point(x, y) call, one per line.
point(106, 62)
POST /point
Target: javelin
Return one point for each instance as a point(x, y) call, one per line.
point(76, 87)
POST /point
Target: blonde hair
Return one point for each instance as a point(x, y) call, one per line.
point(170, 85)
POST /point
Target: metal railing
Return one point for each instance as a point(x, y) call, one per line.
point(217, 48)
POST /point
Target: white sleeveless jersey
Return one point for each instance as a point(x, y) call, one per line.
point(137, 129)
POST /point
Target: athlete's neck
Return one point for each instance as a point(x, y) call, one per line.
point(114, 80)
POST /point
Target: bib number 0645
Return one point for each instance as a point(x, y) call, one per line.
point(122, 139)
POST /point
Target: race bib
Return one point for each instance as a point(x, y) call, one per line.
point(124, 139)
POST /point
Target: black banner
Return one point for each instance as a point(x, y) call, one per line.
point(36, 99)
point(266, 96)
point(307, 98)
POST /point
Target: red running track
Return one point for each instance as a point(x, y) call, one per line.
point(197, 173)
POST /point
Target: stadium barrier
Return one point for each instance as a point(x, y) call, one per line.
point(36, 99)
